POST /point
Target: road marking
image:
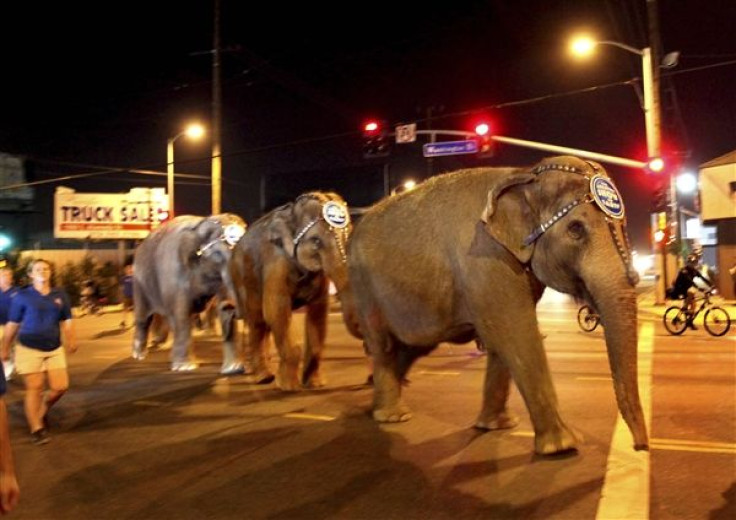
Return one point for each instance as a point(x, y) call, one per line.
point(440, 372)
point(694, 446)
point(309, 416)
point(625, 492)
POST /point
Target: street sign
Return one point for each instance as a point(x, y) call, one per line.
point(450, 148)
point(406, 133)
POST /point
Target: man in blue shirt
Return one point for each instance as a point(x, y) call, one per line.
point(39, 314)
point(7, 293)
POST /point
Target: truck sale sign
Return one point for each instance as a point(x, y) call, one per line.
point(131, 215)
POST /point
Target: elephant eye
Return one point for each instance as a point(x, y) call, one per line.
point(576, 229)
point(316, 241)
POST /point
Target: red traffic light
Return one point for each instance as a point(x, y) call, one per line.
point(482, 129)
point(655, 165)
point(371, 127)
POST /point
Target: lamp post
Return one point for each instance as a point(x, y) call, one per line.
point(194, 131)
point(583, 46)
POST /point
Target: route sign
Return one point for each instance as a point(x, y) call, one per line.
point(450, 148)
point(406, 133)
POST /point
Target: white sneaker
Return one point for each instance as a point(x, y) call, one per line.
point(9, 369)
point(184, 366)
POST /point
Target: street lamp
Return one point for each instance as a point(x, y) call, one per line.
point(194, 131)
point(583, 46)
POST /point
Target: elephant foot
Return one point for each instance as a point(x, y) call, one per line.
point(261, 378)
point(500, 421)
point(558, 441)
point(140, 355)
point(400, 413)
point(184, 366)
point(232, 369)
point(290, 385)
point(315, 381)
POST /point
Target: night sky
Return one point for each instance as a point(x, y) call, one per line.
point(107, 86)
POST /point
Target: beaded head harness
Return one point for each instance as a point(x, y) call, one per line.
point(335, 214)
point(233, 229)
point(606, 197)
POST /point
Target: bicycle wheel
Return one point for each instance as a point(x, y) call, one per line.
point(675, 320)
point(716, 321)
point(587, 319)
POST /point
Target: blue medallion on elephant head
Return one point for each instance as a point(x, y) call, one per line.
point(607, 196)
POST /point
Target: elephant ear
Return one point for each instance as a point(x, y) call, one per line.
point(281, 228)
point(508, 216)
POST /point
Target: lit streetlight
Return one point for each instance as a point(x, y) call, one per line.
point(194, 131)
point(584, 46)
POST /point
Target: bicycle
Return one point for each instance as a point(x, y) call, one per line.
point(588, 319)
point(715, 320)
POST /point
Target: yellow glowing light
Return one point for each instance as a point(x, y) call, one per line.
point(582, 46)
point(195, 131)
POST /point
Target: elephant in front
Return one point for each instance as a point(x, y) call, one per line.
point(467, 255)
point(284, 262)
point(178, 269)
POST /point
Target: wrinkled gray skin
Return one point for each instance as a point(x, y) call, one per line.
point(176, 275)
point(272, 282)
point(445, 262)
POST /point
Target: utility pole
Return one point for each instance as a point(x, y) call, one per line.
point(654, 135)
point(216, 116)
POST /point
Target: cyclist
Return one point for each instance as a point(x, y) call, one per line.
point(685, 286)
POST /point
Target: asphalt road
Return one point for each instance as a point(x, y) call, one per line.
point(132, 440)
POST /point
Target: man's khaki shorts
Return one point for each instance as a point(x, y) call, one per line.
point(30, 360)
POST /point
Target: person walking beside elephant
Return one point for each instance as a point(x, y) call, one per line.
point(126, 287)
point(39, 315)
point(8, 291)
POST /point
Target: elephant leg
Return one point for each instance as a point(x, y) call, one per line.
point(289, 351)
point(315, 333)
point(387, 376)
point(142, 318)
point(160, 331)
point(180, 321)
point(518, 343)
point(256, 351)
point(232, 363)
point(494, 415)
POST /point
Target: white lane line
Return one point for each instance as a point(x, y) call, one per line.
point(625, 492)
point(310, 416)
point(440, 372)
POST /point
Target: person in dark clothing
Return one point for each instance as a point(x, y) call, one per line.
point(685, 286)
point(126, 284)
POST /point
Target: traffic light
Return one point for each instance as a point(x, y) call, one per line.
point(484, 139)
point(375, 140)
point(660, 229)
point(655, 165)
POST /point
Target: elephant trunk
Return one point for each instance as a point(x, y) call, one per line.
point(618, 311)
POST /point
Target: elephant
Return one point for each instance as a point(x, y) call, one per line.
point(467, 255)
point(286, 261)
point(178, 268)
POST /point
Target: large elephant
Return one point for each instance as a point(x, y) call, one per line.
point(178, 268)
point(468, 254)
point(284, 262)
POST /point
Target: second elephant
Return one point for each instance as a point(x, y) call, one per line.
point(286, 261)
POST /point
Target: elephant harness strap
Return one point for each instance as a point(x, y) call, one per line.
point(604, 193)
point(231, 234)
point(337, 218)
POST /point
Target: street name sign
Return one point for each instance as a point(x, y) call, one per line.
point(450, 148)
